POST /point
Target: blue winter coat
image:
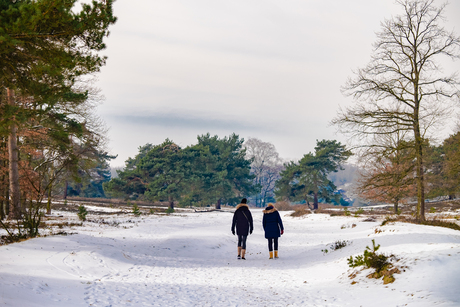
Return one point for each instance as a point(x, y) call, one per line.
point(272, 223)
point(242, 220)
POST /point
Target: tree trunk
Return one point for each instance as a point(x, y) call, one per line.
point(7, 198)
point(171, 203)
point(396, 207)
point(65, 189)
point(48, 204)
point(420, 214)
point(3, 185)
point(315, 201)
point(13, 157)
point(2, 206)
point(218, 204)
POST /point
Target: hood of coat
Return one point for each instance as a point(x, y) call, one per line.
point(242, 205)
point(269, 209)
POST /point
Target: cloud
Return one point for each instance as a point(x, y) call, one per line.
point(195, 122)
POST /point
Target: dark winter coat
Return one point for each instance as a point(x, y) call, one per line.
point(272, 223)
point(242, 220)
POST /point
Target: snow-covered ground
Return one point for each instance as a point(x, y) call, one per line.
point(189, 259)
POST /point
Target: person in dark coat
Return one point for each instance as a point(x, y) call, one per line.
point(242, 220)
point(273, 227)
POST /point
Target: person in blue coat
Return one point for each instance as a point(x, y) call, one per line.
point(273, 227)
point(242, 221)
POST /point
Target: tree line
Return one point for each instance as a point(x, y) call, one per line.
point(224, 170)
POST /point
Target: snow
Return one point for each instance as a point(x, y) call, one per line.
point(189, 259)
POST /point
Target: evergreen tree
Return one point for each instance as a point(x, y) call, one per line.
point(45, 47)
point(165, 172)
point(307, 180)
point(226, 176)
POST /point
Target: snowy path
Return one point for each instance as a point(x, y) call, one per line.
point(190, 260)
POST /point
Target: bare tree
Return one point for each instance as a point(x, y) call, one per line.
point(403, 88)
point(387, 169)
point(266, 166)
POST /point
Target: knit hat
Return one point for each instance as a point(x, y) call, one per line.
point(244, 200)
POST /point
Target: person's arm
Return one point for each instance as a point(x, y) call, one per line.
point(280, 223)
point(234, 223)
point(251, 222)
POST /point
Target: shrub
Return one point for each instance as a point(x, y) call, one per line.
point(336, 245)
point(136, 210)
point(359, 211)
point(82, 213)
point(379, 262)
point(347, 212)
point(388, 220)
point(339, 244)
point(432, 210)
point(169, 210)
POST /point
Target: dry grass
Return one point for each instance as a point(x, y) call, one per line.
point(283, 206)
point(428, 222)
point(300, 210)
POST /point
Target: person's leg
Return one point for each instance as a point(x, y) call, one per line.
point(240, 241)
point(270, 247)
point(276, 247)
point(243, 247)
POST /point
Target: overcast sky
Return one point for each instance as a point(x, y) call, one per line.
point(270, 69)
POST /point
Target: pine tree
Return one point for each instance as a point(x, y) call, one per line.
point(45, 47)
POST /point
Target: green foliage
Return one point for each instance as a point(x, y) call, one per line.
point(336, 245)
point(339, 244)
point(82, 213)
point(136, 210)
point(359, 212)
point(212, 171)
point(308, 179)
point(370, 259)
point(444, 168)
point(223, 170)
point(432, 210)
point(92, 172)
point(170, 210)
point(347, 212)
point(46, 47)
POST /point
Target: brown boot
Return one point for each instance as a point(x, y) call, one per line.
point(271, 255)
point(243, 253)
point(276, 254)
point(239, 252)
